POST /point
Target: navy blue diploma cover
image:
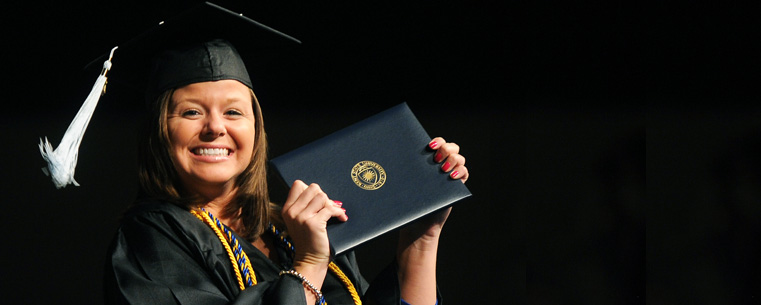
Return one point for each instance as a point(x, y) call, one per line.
point(382, 171)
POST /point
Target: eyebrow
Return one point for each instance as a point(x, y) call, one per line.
point(227, 101)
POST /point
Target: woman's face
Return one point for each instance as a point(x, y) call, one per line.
point(211, 132)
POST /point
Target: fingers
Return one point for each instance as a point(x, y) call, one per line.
point(311, 200)
point(460, 172)
point(436, 143)
point(305, 202)
point(330, 210)
point(448, 155)
point(296, 189)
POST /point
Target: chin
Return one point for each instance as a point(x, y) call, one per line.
point(216, 179)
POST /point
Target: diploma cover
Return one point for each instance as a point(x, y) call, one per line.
point(380, 168)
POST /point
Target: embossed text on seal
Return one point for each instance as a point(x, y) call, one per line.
point(368, 175)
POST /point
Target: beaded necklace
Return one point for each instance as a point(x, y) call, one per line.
point(241, 264)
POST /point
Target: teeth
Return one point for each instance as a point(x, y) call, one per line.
point(211, 151)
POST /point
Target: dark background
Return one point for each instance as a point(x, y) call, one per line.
point(613, 147)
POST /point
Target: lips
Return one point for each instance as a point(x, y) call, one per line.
point(211, 152)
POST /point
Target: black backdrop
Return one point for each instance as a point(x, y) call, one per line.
point(612, 146)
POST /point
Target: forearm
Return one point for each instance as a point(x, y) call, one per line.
point(417, 271)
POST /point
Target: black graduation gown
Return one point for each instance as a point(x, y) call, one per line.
point(163, 254)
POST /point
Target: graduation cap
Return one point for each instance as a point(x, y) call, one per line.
point(203, 43)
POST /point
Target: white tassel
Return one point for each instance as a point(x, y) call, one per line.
point(63, 160)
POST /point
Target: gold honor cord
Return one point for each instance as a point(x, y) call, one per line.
point(204, 216)
point(344, 279)
point(207, 220)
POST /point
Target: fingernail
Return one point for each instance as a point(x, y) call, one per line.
point(338, 203)
point(454, 174)
point(343, 210)
point(433, 144)
point(446, 166)
point(437, 158)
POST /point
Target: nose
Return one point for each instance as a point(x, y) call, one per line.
point(215, 127)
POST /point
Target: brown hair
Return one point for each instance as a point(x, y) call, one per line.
point(158, 176)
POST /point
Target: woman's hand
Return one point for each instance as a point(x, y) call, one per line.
point(427, 229)
point(419, 241)
point(306, 212)
point(448, 155)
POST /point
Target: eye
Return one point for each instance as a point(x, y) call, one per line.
point(190, 113)
point(233, 112)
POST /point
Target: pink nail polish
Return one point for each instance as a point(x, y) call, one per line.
point(446, 166)
point(433, 144)
point(454, 174)
point(437, 158)
point(338, 203)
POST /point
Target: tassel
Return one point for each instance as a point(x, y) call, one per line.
point(63, 160)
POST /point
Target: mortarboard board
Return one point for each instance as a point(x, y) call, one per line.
point(135, 60)
point(202, 43)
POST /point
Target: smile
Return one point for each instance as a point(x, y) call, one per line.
point(212, 152)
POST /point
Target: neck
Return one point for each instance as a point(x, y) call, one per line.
point(218, 203)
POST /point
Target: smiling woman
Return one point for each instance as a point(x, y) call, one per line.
point(203, 230)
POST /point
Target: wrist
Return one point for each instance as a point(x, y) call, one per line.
point(314, 275)
point(308, 267)
point(311, 261)
point(424, 243)
point(313, 293)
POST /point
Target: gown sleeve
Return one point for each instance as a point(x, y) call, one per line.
point(159, 257)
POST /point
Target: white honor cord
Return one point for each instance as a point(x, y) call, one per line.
point(63, 160)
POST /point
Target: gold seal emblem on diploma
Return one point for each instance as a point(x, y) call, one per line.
point(368, 175)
